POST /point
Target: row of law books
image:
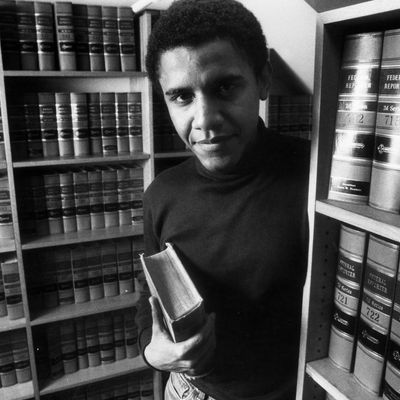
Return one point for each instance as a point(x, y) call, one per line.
point(49, 124)
point(291, 115)
point(88, 342)
point(6, 220)
point(365, 165)
point(138, 386)
point(38, 35)
point(81, 199)
point(2, 148)
point(14, 358)
point(365, 329)
point(82, 273)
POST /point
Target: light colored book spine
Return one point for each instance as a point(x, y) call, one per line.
point(106, 339)
point(126, 36)
point(95, 32)
point(68, 201)
point(135, 121)
point(68, 347)
point(92, 341)
point(64, 124)
point(80, 126)
point(82, 201)
point(3, 304)
point(8, 377)
point(12, 288)
point(110, 38)
point(65, 35)
point(95, 272)
point(137, 185)
point(125, 196)
point(376, 310)
point(80, 274)
point(48, 123)
point(53, 202)
point(94, 117)
point(96, 199)
point(355, 118)
point(81, 345)
point(65, 286)
point(125, 266)
point(110, 196)
point(110, 269)
point(119, 336)
point(55, 357)
point(81, 32)
point(131, 333)
point(45, 35)
point(108, 124)
point(6, 222)
point(121, 111)
point(20, 350)
point(32, 125)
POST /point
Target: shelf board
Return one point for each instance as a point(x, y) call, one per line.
point(173, 154)
point(74, 74)
point(3, 164)
point(46, 316)
point(94, 374)
point(362, 216)
point(10, 325)
point(20, 391)
point(340, 384)
point(60, 239)
point(7, 245)
point(90, 160)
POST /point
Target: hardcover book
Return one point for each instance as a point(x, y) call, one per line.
point(110, 269)
point(81, 32)
point(48, 123)
point(12, 288)
point(80, 128)
point(126, 36)
point(68, 211)
point(53, 202)
point(106, 338)
point(95, 272)
point(69, 351)
point(82, 204)
point(180, 302)
point(9, 35)
point(108, 124)
point(94, 121)
point(6, 223)
point(110, 38)
point(96, 199)
point(95, 35)
point(64, 124)
point(121, 108)
point(110, 196)
point(8, 376)
point(80, 274)
point(135, 121)
point(32, 126)
point(21, 356)
point(65, 286)
point(81, 345)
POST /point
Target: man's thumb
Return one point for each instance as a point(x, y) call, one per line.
point(156, 313)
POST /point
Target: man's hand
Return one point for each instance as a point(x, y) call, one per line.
point(193, 356)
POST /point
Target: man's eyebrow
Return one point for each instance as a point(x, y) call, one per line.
point(173, 92)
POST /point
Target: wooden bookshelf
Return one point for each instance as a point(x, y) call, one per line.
point(21, 391)
point(7, 325)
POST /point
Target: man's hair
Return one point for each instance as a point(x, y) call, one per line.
point(192, 23)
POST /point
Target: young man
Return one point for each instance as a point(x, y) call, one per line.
point(235, 212)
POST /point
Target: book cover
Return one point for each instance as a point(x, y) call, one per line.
point(376, 310)
point(92, 341)
point(32, 125)
point(81, 345)
point(20, 351)
point(12, 288)
point(68, 211)
point(110, 196)
point(350, 266)
point(94, 122)
point(48, 123)
point(95, 37)
point(125, 266)
point(53, 202)
point(81, 33)
point(385, 175)
point(110, 38)
point(55, 357)
point(82, 204)
point(69, 351)
point(110, 269)
point(9, 35)
point(180, 302)
point(17, 127)
point(80, 274)
point(45, 35)
point(137, 185)
point(8, 376)
point(122, 126)
point(95, 272)
point(96, 199)
point(38, 197)
point(48, 276)
point(6, 221)
point(106, 338)
point(355, 118)
point(80, 128)
point(119, 336)
point(64, 124)
point(28, 49)
point(65, 287)
point(126, 38)
point(130, 333)
point(135, 121)
point(108, 124)
point(146, 385)
point(125, 196)
point(3, 304)
point(65, 35)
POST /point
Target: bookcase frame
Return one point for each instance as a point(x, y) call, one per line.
point(317, 375)
point(82, 81)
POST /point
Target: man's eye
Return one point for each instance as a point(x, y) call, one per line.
point(182, 98)
point(226, 89)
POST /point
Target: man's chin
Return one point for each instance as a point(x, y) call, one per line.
point(221, 165)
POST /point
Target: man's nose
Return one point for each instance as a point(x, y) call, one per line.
point(207, 114)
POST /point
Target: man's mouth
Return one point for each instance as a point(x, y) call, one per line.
point(215, 140)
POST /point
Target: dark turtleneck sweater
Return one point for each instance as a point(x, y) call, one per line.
point(242, 237)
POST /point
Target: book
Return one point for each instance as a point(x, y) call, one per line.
point(110, 38)
point(106, 338)
point(126, 38)
point(2, 147)
point(355, 118)
point(9, 35)
point(92, 341)
point(138, 273)
point(80, 128)
point(26, 24)
point(49, 281)
point(136, 182)
point(96, 199)
point(65, 286)
point(349, 273)
point(95, 38)
point(110, 196)
point(95, 272)
point(82, 202)
point(34, 146)
point(48, 123)
point(180, 302)
point(17, 127)
point(20, 351)
point(81, 345)
point(45, 35)
point(38, 198)
point(125, 266)
point(125, 196)
point(6, 220)
point(108, 124)
point(146, 385)
point(376, 309)
point(69, 351)
point(55, 357)
point(80, 274)
point(110, 269)
point(135, 121)
point(53, 202)
point(385, 175)
point(8, 377)
point(130, 333)
point(133, 389)
point(81, 33)
point(3, 304)
point(94, 122)
point(68, 210)
point(65, 35)
point(64, 124)
point(119, 336)
point(122, 126)
point(12, 288)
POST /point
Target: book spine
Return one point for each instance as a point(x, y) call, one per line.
point(92, 341)
point(2, 148)
point(68, 347)
point(96, 146)
point(9, 35)
point(82, 204)
point(137, 185)
point(64, 124)
point(48, 123)
point(110, 38)
point(385, 175)
point(121, 111)
point(80, 274)
point(119, 336)
point(110, 269)
point(125, 196)
point(49, 281)
point(8, 376)
point(12, 289)
point(65, 36)
point(54, 351)
point(120, 390)
point(134, 389)
point(45, 36)
point(95, 35)
point(33, 277)
point(110, 195)
point(81, 32)
point(131, 333)
point(376, 310)
point(32, 126)
point(350, 266)
point(81, 345)
point(96, 200)
point(106, 339)
point(138, 273)
point(38, 196)
point(126, 38)
point(65, 286)
point(28, 49)
point(17, 128)
point(125, 266)
point(355, 118)
point(80, 126)
point(146, 385)
point(68, 210)
point(95, 272)
point(3, 304)
point(108, 124)
point(20, 350)
point(135, 121)
point(53, 202)
point(6, 224)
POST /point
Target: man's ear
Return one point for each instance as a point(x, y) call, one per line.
point(264, 81)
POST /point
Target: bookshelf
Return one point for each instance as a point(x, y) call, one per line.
point(26, 246)
point(317, 375)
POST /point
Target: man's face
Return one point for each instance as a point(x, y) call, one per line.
point(212, 95)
